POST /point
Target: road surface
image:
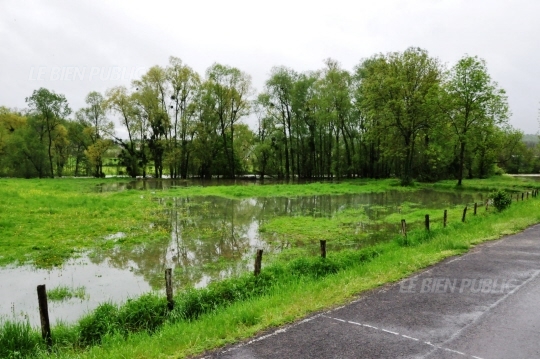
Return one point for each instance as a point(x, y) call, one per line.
point(484, 305)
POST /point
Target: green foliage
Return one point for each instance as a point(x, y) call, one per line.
point(501, 200)
point(400, 114)
point(474, 105)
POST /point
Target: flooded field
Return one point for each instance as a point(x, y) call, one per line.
point(210, 238)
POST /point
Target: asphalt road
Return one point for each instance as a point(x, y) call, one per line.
point(483, 305)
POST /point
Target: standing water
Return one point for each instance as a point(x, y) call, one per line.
point(211, 238)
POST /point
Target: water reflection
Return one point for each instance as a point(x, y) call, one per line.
point(210, 238)
point(161, 184)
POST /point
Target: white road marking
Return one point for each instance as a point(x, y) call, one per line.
point(454, 351)
point(274, 333)
point(370, 326)
point(500, 300)
point(408, 337)
point(436, 347)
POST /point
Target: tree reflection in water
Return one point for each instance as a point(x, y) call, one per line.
point(211, 238)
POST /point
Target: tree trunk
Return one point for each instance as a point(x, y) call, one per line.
point(461, 162)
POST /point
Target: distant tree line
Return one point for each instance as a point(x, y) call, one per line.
point(401, 114)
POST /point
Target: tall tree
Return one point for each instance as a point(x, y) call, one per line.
point(335, 88)
point(151, 98)
point(185, 85)
point(50, 108)
point(397, 90)
point(99, 128)
point(230, 90)
point(472, 101)
point(122, 103)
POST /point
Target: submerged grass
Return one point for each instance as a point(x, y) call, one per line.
point(344, 227)
point(293, 190)
point(45, 222)
point(285, 291)
point(61, 293)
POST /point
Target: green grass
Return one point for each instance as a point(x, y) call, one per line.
point(61, 293)
point(300, 230)
point(45, 222)
point(287, 290)
point(506, 182)
point(292, 190)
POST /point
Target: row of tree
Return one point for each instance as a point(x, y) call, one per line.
point(399, 114)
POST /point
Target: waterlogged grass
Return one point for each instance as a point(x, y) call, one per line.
point(46, 222)
point(61, 293)
point(344, 227)
point(504, 182)
point(285, 291)
point(292, 190)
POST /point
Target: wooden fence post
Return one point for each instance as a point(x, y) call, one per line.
point(487, 204)
point(323, 248)
point(475, 207)
point(427, 222)
point(527, 195)
point(464, 214)
point(445, 217)
point(169, 289)
point(522, 195)
point(44, 315)
point(403, 228)
point(258, 261)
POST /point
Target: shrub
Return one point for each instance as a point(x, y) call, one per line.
point(497, 171)
point(501, 200)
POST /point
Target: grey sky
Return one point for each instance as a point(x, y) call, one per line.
point(74, 47)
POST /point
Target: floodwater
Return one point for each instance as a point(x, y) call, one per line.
point(211, 238)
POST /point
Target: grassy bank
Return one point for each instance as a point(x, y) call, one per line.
point(286, 291)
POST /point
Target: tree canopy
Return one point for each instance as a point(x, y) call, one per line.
point(399, 114)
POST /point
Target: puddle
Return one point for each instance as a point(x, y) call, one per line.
point(102, 282)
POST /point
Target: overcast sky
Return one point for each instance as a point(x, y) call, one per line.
point(74, 47)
